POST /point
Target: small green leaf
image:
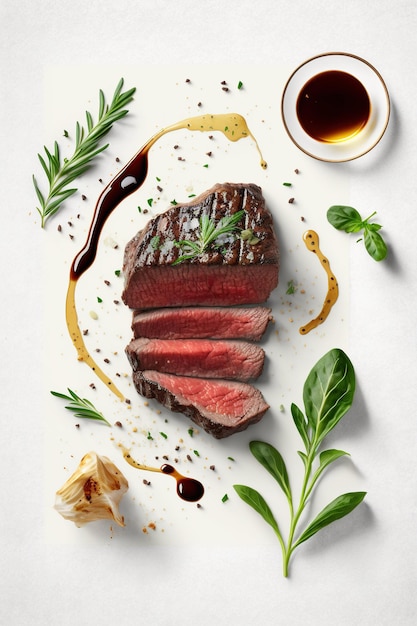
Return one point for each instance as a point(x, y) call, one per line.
point(345, 218)
point(301, 424)
point(338, 508)
point(326, 457)
point(272, 461)
point(257, 502)
point(374, 244)
point(328, 392)
point(303, 457)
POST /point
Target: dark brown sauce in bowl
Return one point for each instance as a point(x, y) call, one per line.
point(333, 106)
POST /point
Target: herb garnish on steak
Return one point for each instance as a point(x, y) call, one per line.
point(236, 272)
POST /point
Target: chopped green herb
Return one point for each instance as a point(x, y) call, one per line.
point(140, 209)
point(225, 498)
point(66, 133)
point(291, 288)
point(163, 435)
point(205, 165)
point(240, 85)
point(174, 202)
point(230, 458)
point(191, 432)
point(150, 201)
point(149, 436)
point(99, 300)
point(196, 452)
point(192, 195)
point(155, 242)
point(158, 179)
point(117, 272)
point(287, 184)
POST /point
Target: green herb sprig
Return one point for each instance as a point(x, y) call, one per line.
point(61, 173)
point(328, 394)
point(81, 407)
point(349, 219)
point(209, 230)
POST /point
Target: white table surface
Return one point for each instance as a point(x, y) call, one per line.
point(364, 575)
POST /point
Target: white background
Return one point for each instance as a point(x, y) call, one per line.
point(362, 571)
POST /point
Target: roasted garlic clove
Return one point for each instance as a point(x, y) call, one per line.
point(93, 492)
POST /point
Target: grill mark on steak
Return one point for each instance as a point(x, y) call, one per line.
point(249, 272)
point(204, 358)
point(220, 407)
point(202, 322)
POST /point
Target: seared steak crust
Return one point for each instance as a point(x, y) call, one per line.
point(237, 272)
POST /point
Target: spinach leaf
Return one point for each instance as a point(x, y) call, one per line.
point(328, 394)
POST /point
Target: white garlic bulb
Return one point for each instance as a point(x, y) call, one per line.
point(93, 492)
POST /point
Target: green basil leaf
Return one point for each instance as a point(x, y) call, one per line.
point(271, 459)
point(345, 218)
point(337, 509)
point(257, 502)
point(373, 226)
point(328, 392)
point(375, 245)
point(301, 424)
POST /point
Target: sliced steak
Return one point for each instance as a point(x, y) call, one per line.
point(202, 322)
point(233, 271)
point(207, 358)
point(220, 407)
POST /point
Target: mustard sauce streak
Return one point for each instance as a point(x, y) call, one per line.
point(311, 240)
point(129, 179)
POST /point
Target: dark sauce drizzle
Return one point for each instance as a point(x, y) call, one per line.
point(188, 489)
point(129, 180)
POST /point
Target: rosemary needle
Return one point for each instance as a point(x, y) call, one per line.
point(61, 173)
point(81, 407)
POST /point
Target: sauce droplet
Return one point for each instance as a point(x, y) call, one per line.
point(129, 179)
point(188, 489)
point(311, 240)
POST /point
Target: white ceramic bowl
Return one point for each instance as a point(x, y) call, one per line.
point(377, 91)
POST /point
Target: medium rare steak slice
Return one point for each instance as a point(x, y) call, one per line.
point(202, 322)
point(207, 358)
point(220, 407)
point(232, 270)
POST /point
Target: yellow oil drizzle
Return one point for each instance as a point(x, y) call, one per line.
point(311, 240)
point(77, 340)
point(234, 127)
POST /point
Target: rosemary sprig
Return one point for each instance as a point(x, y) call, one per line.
point(209, 231)
point(81, 407)
point(87, 146)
